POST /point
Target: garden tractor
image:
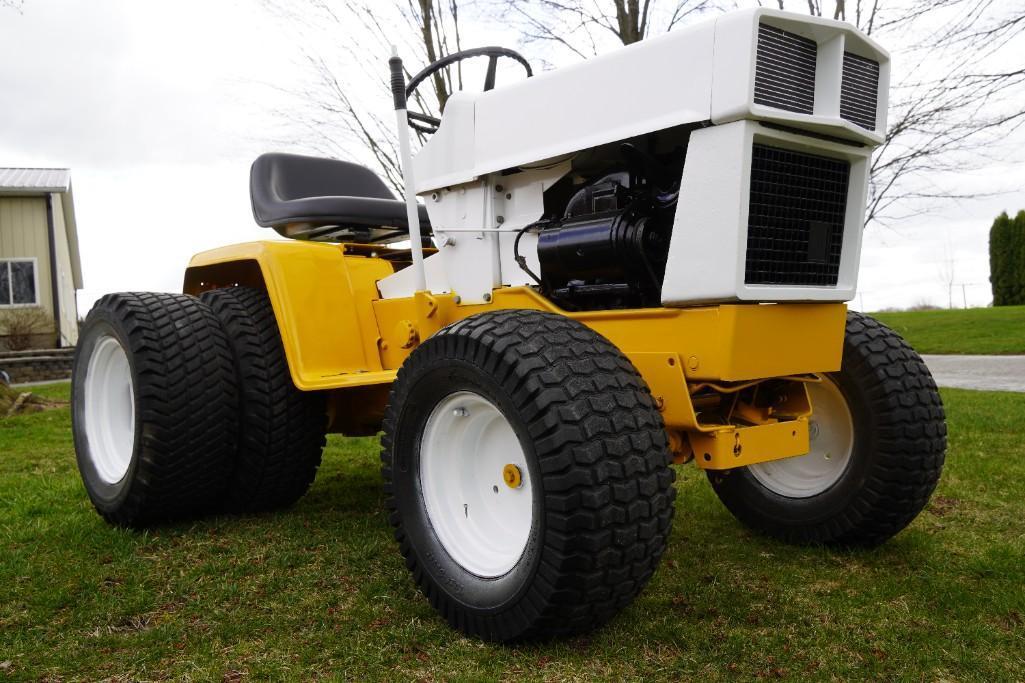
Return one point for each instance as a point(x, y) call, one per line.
point(596, 272)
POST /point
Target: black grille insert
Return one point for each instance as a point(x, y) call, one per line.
point(785, 70)
point(859, 90)
point(795, 218)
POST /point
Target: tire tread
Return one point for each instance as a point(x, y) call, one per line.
point(281, 429)
point(603, 455)
point(908, 433)
point(186, 400)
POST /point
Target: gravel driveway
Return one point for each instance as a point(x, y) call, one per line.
point(995, 373)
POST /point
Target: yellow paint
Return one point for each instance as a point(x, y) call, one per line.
point(775, 432)
point(664, 374)
point(322, 299)
point(428, 315)
point(338, 334)
point(406, 334)
point(511, 476)
point(731, 342)
point(729, 447)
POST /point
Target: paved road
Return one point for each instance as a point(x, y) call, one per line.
point(995, 373)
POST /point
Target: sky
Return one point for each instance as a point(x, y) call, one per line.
point(159, 108)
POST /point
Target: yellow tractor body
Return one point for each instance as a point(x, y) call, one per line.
point(340, 336)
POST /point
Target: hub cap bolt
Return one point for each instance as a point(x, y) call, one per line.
point(511, 476)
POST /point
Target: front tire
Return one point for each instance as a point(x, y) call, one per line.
point(877, 449)
point(527, 475)
point(153, 408)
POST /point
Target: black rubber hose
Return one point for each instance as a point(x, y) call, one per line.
point(521, 261)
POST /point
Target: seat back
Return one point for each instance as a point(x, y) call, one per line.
point(282, 177)
point(326, 199)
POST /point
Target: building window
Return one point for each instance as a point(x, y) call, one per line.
point(18, 283)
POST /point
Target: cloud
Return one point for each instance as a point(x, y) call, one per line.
point(120, 82)
point(157, 109)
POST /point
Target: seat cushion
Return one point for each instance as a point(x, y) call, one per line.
point(300, 196)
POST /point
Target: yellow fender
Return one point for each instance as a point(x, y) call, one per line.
point(322, 299)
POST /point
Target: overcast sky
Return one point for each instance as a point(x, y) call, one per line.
point(159, 108)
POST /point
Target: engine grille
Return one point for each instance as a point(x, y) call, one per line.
point(859, 90)
point(795, 218)
point(785, 70)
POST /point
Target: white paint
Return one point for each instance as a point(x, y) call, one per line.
point(697, 73)
point(481, 522)
point(736, 46)
point(831, 446)
point(709, 243)
point(476, 225)
point(412, 211)
point(109, 410)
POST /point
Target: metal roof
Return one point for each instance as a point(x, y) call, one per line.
point(35, 179)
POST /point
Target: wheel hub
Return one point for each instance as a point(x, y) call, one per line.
point(109, 410)
point(477, 495)
point(512, 477)
point(831, 441)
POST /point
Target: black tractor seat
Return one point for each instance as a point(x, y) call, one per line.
point(328, 200)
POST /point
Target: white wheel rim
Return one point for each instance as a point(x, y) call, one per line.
point(831, 441)
point(482, 522)
point(109, 410)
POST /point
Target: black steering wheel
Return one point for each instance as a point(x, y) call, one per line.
point(429, 124)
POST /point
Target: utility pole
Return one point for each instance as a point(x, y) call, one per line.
point(964, 296)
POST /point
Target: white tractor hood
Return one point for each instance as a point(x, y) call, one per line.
point(700, 73)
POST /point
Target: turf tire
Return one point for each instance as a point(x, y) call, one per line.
point(280, 429)
point(185, 407)
point(595, 446)
point(898, 451)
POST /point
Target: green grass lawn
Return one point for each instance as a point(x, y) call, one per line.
point(998, 330)
point(320, 590)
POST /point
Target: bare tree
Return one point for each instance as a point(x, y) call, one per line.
point(955, 96)
point(340, 117)
point(947, 271)
point(954, 100)
point(12, 4)
point(584, 28)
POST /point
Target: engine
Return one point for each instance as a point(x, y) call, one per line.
point(608, 247)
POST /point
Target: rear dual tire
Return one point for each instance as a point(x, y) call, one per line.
point(183, 406)
point(281, 429)
point(154, 408)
